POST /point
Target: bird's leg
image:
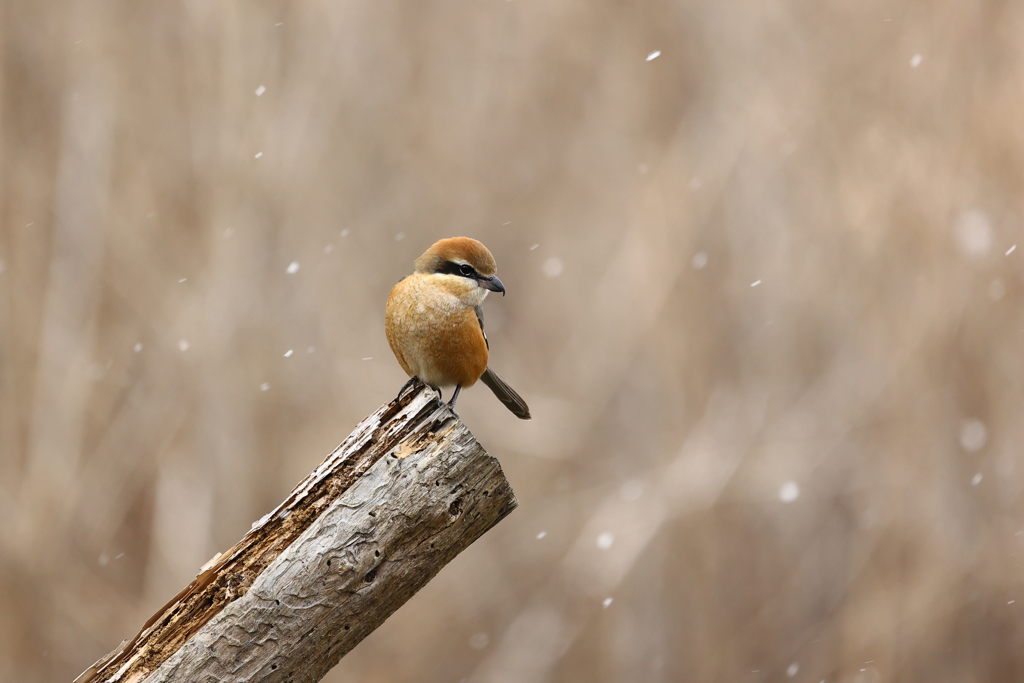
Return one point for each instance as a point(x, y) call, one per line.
point(411, 382)
point(451, 402)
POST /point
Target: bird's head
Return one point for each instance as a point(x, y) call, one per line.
point(462, 257)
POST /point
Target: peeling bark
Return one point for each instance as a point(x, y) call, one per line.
point(405, 493)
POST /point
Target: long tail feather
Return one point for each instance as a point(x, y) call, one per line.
point(506, 394)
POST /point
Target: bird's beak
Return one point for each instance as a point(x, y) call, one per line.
point(492, 283)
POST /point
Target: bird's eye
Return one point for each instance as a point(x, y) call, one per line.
point(466, 269)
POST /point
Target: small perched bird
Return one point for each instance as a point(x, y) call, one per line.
point(435, 325)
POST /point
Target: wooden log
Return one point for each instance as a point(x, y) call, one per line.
point(404, 494)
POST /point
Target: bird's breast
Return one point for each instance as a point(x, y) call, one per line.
point(434, 334)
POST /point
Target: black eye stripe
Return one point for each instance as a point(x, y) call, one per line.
point(451, 268)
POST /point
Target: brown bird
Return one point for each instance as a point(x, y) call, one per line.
point(434, 323)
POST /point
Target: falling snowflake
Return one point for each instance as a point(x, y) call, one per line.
point(553, 267)
point(789, 492)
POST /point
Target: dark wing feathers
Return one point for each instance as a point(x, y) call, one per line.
point(504, 392)
point(480, 319)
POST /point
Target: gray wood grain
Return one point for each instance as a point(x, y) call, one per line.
point(400, 514)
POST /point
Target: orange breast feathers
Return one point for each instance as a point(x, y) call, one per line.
point(432, 327)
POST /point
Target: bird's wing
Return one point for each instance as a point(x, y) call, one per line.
point(480, 319)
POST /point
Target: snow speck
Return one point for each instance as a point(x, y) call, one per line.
point(631, 490)
point(368, 358)
point(553, 267)
point(541, 535)
point(792, 669)
point(344, 233)
point(1010, 602)
point(183, 279)
point(606, 603)
point(915, 61)
point(642, 169)
point(260, 90)
point(228, 233)
point(974, 232)
point(973, 435)
point(699, 260)
point(1012, 249)
point(293, 268)
point(479, 641)
point(29, 225)
point(605, 540)
point(264, 387)
point(507, 223)
point(996, 289)
point(695, 183)
point(534, 246)
point(654, 55)
point(288, 353)
point(138, 347)
point(310, 349)
point(183, 345)
point(789, 492)
point(399, 237)
point(259, 154)
point(976, 479)
point(755, 283)
point(103, 559)
point(279, 24)
point(329, 248)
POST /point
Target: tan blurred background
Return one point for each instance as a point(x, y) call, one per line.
point(761, 300)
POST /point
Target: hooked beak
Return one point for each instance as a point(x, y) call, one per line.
point(492, 283)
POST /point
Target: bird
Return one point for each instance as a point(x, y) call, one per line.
point(435, 325)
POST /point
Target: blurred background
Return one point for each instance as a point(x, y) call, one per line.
point(764, 300)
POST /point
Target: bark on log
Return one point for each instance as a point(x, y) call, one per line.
point(405, 493)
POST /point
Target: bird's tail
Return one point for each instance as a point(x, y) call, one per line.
point(506, 394)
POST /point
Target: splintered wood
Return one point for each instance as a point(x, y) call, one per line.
point(405, 493)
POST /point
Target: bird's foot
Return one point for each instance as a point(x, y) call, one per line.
point(411, 383)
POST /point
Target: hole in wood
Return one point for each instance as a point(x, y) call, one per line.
point(370, 576)
point(456, 507)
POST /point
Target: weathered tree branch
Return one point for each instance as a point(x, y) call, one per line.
point(405, 493)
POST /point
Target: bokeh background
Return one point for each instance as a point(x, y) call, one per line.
point(763, 299)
